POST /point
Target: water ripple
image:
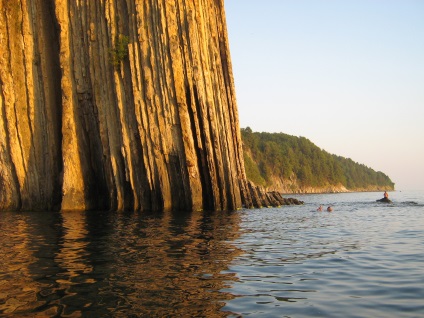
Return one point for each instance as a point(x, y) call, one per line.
point(363, 260)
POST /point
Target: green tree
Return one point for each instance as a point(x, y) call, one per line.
point(278, 155)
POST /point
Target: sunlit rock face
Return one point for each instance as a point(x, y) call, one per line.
point(118, 105)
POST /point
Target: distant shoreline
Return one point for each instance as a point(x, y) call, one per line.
point(336, 192)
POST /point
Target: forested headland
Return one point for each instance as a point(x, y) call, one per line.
point(291, 164)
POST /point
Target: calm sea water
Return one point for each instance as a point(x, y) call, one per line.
point(365, 259)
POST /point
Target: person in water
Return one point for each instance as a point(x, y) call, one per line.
point(386, 195)
point(319, 208)
point(330, 209)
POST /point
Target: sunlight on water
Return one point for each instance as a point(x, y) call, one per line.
point(109, 265)
point(362, 260)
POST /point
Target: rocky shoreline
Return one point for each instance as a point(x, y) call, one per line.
point(270, 197)
point(293, 186)
point(262, 198)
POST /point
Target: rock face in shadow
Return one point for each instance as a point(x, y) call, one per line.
point(118, 105)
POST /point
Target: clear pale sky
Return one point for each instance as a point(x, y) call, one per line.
point(346, 74)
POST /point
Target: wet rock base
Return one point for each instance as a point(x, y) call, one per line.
point(262, 198)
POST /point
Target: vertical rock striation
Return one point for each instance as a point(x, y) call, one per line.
point(30, 112)
point(118, 105)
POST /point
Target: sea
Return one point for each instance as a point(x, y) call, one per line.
point(364, 259)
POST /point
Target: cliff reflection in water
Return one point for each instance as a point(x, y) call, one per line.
point(116, 264)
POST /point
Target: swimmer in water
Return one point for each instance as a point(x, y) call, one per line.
point(330, 209)
point(320, 208)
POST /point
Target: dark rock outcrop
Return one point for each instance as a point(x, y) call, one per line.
point(384, 200)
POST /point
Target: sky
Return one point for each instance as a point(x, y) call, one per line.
point(346, 74)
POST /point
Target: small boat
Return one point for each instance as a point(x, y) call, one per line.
point(385, 200)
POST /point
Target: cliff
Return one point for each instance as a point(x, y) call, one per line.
point(118, 105)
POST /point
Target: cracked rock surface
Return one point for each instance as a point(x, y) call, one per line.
point(118, 105)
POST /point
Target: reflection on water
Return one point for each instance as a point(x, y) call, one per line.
point(109, 264)
point(363, 260)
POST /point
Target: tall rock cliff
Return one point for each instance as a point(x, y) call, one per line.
point(118, 104)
